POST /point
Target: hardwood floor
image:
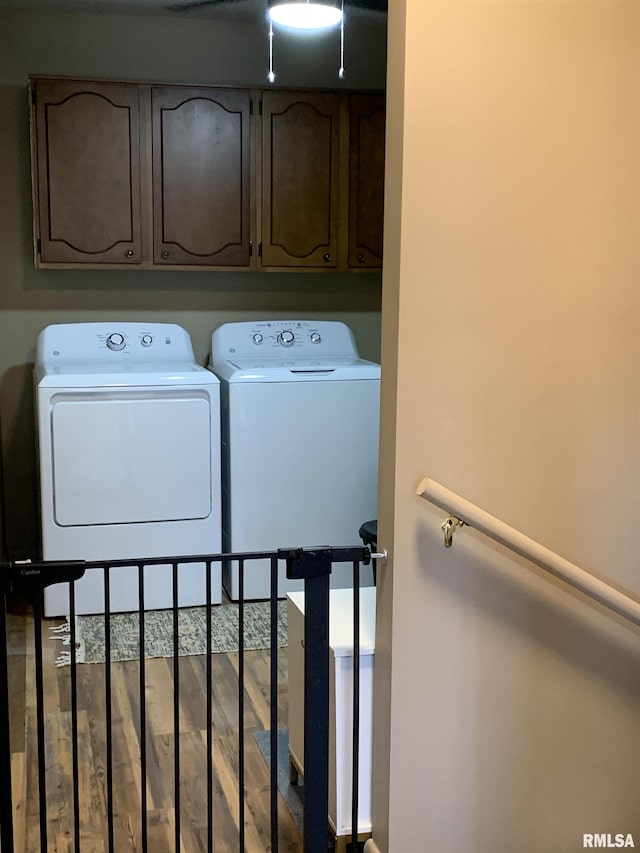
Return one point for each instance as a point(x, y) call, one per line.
point(126, 744)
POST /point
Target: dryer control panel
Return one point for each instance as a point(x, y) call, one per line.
point(277, 339)
point(112, 342)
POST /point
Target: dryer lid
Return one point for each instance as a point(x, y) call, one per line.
point(65, 374)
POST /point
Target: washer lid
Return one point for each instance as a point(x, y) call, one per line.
point(297, 370)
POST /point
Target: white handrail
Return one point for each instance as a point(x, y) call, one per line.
point(464, 511)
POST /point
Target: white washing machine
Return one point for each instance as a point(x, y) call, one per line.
point(129, 450)
point(300, 414)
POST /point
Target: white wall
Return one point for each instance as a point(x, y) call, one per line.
point(507, 708)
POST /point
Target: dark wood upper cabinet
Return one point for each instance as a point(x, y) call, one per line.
point(366, 180)
point(300, 179)
point(201, 176)
point(87, 149)
point(194, 176)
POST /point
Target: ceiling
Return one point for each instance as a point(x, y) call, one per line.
point(231, 8)
point(212, 9)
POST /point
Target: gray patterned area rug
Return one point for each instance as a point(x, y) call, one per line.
point(158, 632)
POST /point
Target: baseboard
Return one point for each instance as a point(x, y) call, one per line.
point(371, 846)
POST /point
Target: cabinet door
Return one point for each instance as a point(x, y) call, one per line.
point(300, 149)
point(201, 173)
point(88, 172)
point(366, 180)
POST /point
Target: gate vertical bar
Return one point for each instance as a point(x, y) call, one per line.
point(241, 839)
point(74, 717)
point(316, 713)
point(6, 797)
point(42, 782)
point(107, 705)
point(176, 710)
point(314, 566)
point(209, 715)
point(355, 766)
point(143, 710)
point(273, 660)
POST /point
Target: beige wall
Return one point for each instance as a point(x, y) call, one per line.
point(507, 708)
point(176, 49)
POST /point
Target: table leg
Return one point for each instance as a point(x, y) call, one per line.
point(293, 772)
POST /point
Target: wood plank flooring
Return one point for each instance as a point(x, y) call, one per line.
point(126, 742)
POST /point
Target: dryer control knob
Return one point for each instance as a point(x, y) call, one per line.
point(315, 338)
point(146, 340)
point(257, 338)
point(286, 338)
point(115, 341)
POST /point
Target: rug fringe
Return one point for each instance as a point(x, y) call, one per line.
point(62, 633)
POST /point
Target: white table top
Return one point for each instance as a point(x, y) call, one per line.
point(341, 619)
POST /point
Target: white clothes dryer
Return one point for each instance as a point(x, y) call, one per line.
point(129, 461)
point(300, 414)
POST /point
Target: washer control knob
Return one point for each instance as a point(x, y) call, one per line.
point(146, 340)
point(315, 338)
point(257, 338)
point(286, 338)
point(116, 341)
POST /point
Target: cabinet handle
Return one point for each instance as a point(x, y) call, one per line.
point(129, 253)
point(361, 258)
point(326, 257)
point(165, 254)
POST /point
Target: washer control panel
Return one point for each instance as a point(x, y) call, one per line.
point(270, 339)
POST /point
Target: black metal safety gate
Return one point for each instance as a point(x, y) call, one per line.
point(313, 565)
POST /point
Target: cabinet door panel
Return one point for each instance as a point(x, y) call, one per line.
point(88, 161)
point(201, 176)
point(366, 180)
point(300, 136)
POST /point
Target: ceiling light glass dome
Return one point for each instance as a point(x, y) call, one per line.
point(305, 15)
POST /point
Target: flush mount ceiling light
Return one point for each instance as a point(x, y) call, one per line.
point(306, 14)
